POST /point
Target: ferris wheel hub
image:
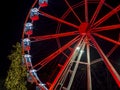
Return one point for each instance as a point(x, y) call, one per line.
point(83, 28)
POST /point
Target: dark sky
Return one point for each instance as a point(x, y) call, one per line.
point(11, 32)
point(14, 16)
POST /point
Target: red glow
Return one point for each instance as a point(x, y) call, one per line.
point(35, 18)
point(83, 27)
point(45, 4)
point(27, 48)
point(29, 32)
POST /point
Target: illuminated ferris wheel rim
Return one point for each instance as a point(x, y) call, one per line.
point(83, 28)
point(61, 20)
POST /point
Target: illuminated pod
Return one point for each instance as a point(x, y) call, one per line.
point(28, 60)
point(33, 72)
point(26, 44)
point(28, 28)
point(32, 77)
point(43, 3)
point(34, 14)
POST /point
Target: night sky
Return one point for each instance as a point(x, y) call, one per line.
point(14, 16)
point(12, 31)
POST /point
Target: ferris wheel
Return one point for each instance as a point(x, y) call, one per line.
point(65, 41)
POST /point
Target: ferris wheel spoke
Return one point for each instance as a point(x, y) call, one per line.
point(111, 27)
point(108, 54)
point(58, 19)
point(114, 48)
point(110, 67)
point(111, 9)
point(56, 53)
point(97, 11)
point(96, 61)
point(67, 64)
point(89, 81)
point(46, 37)
point(66, 13)
point(107, 39)
point(82, 47)
point(69, 10)
point(73, 11)
point(78, 4)
point(114, 11)
point(86, 10)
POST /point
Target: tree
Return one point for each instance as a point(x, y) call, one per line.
point(2, 84)
point(16, 75)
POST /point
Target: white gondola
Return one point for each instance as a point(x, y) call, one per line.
point(26, 44)
point(34, 74)
point(28, 28)
point(27, 58)
point(43, 3)
point(34, 14)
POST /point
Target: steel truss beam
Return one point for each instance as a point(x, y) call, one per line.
point(58, 19)
point(46, 37)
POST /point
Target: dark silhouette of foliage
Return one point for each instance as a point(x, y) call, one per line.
point(16, 76)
